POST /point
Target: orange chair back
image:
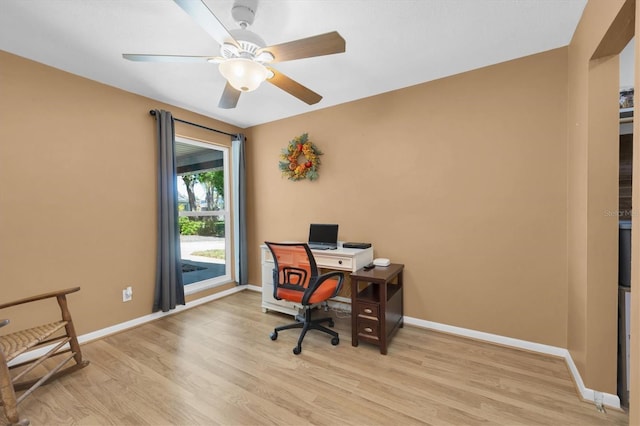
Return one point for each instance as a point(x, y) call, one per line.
point(295, 269)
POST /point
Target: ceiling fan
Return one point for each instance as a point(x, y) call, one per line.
point(244, 58)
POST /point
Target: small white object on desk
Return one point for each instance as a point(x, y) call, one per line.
point(381, 261)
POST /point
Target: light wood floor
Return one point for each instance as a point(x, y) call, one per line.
point(215, 364)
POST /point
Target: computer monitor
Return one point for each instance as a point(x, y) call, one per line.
point(323, 236)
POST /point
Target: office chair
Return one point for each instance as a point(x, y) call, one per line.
point(296, 279)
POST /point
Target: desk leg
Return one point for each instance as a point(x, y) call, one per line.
point(382, 289)
point(400, 283)
point(354, 315)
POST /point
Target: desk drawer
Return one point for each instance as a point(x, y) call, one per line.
point(334, 262)
point(368, 329)
point(367, 310)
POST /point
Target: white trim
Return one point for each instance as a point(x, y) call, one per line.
point(494, 338)
point(153, 316)
point(589, 395)
point(207, 284)
point(98, 334)
point(254, 287)
point(609, 400)
point(224, 214)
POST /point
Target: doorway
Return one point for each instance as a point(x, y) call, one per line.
point(202, 181)
point(625, 214)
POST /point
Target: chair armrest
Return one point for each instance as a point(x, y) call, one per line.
point(319, 281)
point(40, 297)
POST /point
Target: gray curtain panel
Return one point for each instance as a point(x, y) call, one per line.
point(239, 217)
point(169, 291)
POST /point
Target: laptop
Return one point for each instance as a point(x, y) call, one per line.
point(323, 236)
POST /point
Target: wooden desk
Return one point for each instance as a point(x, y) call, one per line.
point(341, 259)
point(376, 306)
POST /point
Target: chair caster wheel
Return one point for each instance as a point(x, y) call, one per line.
point(335, 341)
point(331, 323)
point(274, 335)
point(297, 350)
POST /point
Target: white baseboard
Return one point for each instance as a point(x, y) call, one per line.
point(253, 287)
point(589, 395)
point(153, 316)
point(85, 338)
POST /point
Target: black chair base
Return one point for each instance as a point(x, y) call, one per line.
point(306, 323)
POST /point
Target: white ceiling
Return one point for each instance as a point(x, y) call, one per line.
point(391, 44)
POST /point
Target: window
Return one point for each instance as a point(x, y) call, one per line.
point(202, 180)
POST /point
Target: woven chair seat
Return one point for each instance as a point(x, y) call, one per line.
point(16, 343)
point(57, 339)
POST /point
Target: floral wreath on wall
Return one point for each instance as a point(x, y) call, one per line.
point(300, 159)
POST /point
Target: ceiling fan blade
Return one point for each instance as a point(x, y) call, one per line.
point(200, 13)
point(293, 87)
point(168, 58)
point(229, 98)
point(320, 45)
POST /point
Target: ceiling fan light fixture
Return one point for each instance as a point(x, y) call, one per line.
point(243, 74)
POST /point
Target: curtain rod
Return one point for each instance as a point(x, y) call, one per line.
point(153, 112)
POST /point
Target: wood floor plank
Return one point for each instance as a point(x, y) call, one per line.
point(216, 365)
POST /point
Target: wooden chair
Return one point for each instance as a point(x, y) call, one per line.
point(59, 337)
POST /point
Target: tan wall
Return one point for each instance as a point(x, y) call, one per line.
point(473, 182)
point(78, 171)
point(462, 179)
point(592, 131)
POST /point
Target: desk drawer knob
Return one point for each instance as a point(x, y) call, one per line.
point(339, 262)
point(368, 311)
point(368, 329)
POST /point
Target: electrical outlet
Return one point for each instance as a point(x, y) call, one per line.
point(598, 399)
point(127, 294)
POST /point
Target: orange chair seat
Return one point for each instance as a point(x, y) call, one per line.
point(323, 292)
